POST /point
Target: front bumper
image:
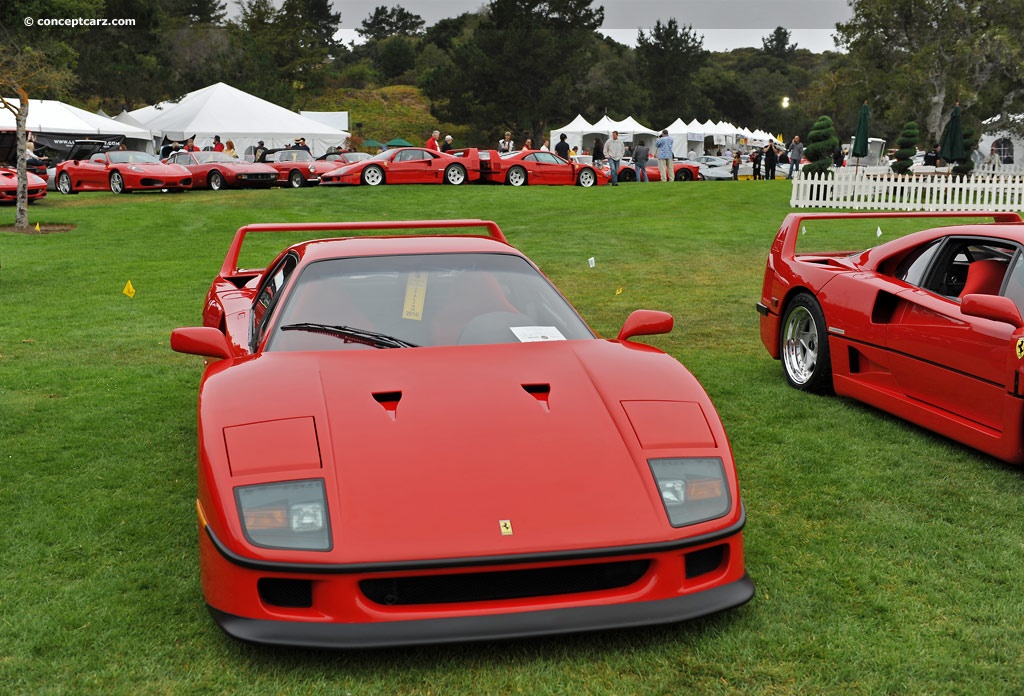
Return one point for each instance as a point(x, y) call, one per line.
point(457, 600)
point(487, 627)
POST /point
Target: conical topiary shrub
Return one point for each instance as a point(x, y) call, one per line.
point(821, 145)
point(907, 148)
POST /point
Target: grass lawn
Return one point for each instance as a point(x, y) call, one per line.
point(887, 559)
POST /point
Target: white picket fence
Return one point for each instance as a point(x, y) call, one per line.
point(863, 190)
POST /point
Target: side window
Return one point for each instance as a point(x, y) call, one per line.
point(948, 273)
point(266, 298)
point(1015, 283)
point(913, 268)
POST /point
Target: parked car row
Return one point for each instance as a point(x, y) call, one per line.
point(89, 167)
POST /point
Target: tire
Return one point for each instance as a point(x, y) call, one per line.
point(455, 175)
point(516, 177)
point(803, 346)
point(627, 175)
point(117, 182)
point(373, 175)
point(215, 181)
point(684, 175)
point(587, 178)
point(64, 184)
point(295, 179)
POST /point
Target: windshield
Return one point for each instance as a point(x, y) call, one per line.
point(131, 157)
point(207, 157)
point(425, 300)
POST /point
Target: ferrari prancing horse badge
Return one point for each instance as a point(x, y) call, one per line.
point(506, 527)
point(1020, 348)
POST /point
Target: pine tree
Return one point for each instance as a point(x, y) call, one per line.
point(907, 144)
point(821, 144)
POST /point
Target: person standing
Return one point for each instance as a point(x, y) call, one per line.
point(230, 149)
point(598, 150)
point(506, 144)
point(546, 147)
point(447, 145)
point(663, 146)
point(755, 159)
point(218, 146)
point(771, 159)
point(796, 153)
point(641, 154)
point(736, 161)
point(562, 148)
point(432, 143)
point(614, 151)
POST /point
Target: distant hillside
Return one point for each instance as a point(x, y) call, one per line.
point(398, 111)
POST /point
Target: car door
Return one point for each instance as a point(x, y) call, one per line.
point(942, 357)
point(93, 174)
point(410, 167)
point(186, 160)
point(549, 169)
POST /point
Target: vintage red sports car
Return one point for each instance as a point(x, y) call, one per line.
point(534, 167)
point(9, 186)
point(410, 165)
point(683, 171)
point(120, 171)
point(215, 170)
point(297, 168)
point(416, 439)
point(927, 326)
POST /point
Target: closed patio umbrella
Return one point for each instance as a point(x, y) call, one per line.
point(952, 149)
point(860, 140)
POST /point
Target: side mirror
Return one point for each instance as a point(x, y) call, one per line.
point(200, 340)
point(992, 307)
point(646, 322)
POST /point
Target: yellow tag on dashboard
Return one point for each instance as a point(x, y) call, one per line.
point(415, 295)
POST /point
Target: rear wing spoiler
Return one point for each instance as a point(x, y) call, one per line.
point(790, 229)
point(230, 266)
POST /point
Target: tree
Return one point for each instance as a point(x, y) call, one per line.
point(924, 55)
point(777, 44)
point(522, 65)
point(44, 69)
point(821, 145)
point(384, 22)
point(667, 59)
point(907, 148)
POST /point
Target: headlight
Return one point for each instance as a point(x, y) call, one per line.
point(692, 490)
point(312, 169)
point(291, 515)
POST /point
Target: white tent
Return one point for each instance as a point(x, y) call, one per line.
point(57, 125)
point(334, 119)
point(631, 130)
point(235, 115)
point(574, 131)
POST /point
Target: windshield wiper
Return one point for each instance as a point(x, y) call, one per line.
point(352, 335)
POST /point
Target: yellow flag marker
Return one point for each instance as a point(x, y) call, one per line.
point(37, 227)
point(129, 290)
point(619, 291)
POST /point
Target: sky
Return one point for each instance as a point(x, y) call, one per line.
point(724, 24)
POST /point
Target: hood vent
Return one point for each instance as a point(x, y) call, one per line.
point(389, 400)
point(541, 392)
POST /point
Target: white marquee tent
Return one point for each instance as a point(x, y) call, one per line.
point(235, 115)
point(57, 125)
point(574, 132)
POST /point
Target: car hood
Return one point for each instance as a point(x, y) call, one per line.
point(427, 452)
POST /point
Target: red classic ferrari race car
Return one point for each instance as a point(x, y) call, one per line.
point(927, 326)
point(297, 168)
point(410, 165)
point(416, 439)
point(120, 171)
point(215, 170)
point(9, 186)
point(682, 171)
point(532, 167)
